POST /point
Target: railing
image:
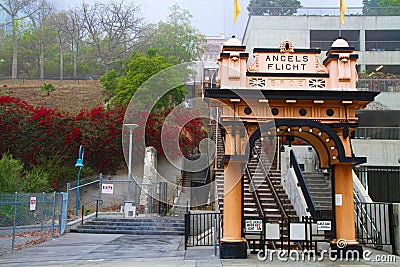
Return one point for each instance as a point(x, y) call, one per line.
point(323, 11)
point(365, 226)
point(271, 185)
point(375, 224)
point(380, 46)
point(202, 229)
point(98, 202)
point(253, 189)
point(380, 133)
point(379, 85)
point(307, 195)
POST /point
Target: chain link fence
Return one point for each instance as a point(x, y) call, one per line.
point(30, 219)
point(114, 192)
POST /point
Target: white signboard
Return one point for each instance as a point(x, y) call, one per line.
point(32, 203)
point(339, 199)
point(272, 231)
point(107, 189)
point(297, 231)
point(253, 225)
point(324, 225)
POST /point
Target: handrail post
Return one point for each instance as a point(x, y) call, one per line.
point(83, 212)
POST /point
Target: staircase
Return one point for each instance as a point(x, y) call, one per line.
point(268, 203)
point(134, 226)
point(319, 185)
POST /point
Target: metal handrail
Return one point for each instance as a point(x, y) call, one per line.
point(365, 215)
point(317, 11)
point(306, 192)
point(254, 191)
point(271, 185)
point(98, 202)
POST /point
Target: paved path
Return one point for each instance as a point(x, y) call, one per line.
point(76, 249)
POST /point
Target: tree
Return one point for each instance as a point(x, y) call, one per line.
point(17, 10)
point(40, 23)
point(273, 7)
point(177, 38)
point(76, 30)
point(381, 7)
point(60, 22)
point(113, 31)
point(139, 68)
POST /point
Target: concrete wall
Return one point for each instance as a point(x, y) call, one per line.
point(290, 184)
point(379, 153)
point(391, 100)
point(305, 155)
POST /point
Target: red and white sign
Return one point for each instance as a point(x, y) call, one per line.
point(107, 189)
point(32, 203)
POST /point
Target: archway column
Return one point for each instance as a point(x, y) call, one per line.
point(344, 204)
point(233, 244)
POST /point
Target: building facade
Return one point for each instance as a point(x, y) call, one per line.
point(375, 38)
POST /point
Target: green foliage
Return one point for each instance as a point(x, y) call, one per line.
point(273, 7)
point(177, 40)
point(381, 7)
point(137, 71)
point(36, 180)
point(10, 173)
point(47, 87)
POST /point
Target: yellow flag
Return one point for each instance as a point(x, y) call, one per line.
point(236, 10)
point(343, 9)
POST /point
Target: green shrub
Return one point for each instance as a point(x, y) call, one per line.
point(47, 88)
point(10, 173)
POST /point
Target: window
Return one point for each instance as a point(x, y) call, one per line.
point(382, 40)
point(324, 39)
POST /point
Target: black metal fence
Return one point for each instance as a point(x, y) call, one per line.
point(202, 228)
point(375, 224)
point(382, 183)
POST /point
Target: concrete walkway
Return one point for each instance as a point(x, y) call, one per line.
point(74, 249)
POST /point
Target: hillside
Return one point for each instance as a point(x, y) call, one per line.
point(70, 96)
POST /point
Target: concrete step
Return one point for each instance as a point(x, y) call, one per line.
point(142, 226)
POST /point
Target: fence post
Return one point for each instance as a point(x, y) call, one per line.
point(15, 221)
point(53, 213)
point(187, 228)
point(100, 185)
point(68, 189)
point(42, 219)
point(391, 228)
point(215, 236)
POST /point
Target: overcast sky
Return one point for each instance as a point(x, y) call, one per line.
point(211, 17)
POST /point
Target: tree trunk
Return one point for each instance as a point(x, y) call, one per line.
point(61, 62)
point(41, 58)
point(76, 61)
point(14, 68)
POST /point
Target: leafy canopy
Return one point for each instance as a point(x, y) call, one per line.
point(177, 38)
point(140, 68)
point(381, 7)
point(273, 7)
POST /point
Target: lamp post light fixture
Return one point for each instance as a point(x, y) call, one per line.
point(79, 164)
point(131, 127)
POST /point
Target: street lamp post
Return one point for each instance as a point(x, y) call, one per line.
point(131, 127)
point(79, 164)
